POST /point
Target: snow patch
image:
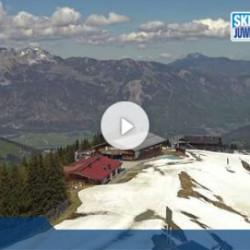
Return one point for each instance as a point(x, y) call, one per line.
point(157, 187)
point(5, 82)
point(141, 202)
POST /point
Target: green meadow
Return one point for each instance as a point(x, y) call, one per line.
point(49, 140)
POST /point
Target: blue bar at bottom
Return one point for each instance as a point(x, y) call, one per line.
point(37, 233)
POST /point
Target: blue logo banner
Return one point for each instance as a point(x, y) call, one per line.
point(37, 233)
point(240, 26)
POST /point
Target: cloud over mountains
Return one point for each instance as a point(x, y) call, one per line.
point(68, 23)
point(100, 20)
point(65, 22)
point(158, 30)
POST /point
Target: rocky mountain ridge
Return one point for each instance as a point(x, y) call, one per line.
point(197, 94)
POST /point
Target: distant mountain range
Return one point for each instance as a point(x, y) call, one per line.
point(40, 92)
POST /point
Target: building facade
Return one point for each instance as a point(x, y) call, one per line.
point(152, 146)
point(96, 170)
point(213, 143)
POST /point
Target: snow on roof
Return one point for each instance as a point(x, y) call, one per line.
point(151, 140)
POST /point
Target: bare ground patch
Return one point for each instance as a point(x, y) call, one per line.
point(177, 163)
point(195, 219)
point(197, 158)
point(148, 215)
point(175, 226)
point(151, 215)
point(187, 191)
point(78, 215)
point(219, 198)
point(200, 185)
point(159, 171)
point(245, 165)
point(132, 173)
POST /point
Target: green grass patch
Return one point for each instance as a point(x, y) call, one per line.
point(50, 140)
point(12, 152)
point(71, 210)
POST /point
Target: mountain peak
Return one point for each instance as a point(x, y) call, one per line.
point(35, 55)
point(26, 56)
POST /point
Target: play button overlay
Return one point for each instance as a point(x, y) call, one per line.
point(125, 125)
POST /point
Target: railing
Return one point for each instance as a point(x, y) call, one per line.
point(58, 211)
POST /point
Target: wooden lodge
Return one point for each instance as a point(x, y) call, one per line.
point(152, 146)
point(213, 143)
point(96, 170)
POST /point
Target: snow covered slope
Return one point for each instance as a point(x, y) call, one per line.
point(203, 191)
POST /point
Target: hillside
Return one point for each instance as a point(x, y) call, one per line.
point(11, 152)
point(48, 140)
point(200, 190)
point(215, 65)
point(202, 181)
point(240, 136)
point(42, 93)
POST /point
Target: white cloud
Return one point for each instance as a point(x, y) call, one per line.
point(139, 37)
point(159, 31)
point(142, 46)
point(165, 55)
point(68, 23)
point(34, 45)
point(215, 28)
point(2, 12)
point(64, 23)
point(23, 20)
point(152, 26)
point(100, 20)
point(145, 58)
point(65, 16)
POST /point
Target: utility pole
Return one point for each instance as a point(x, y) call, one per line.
point(169, 224)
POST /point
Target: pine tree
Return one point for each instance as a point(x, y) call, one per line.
point(85, 145)
point(15, 185)
point(5, 191)
point(35, 185)
point(97, 139)
point(77, 145)
point(33, 188)
point(25, 202)
point(56, 181)
point(70, 154)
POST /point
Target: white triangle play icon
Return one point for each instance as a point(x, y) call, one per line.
point(126, 126)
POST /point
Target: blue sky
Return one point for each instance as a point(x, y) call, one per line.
point(159, 30)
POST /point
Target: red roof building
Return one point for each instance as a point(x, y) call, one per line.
point(98, 169)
